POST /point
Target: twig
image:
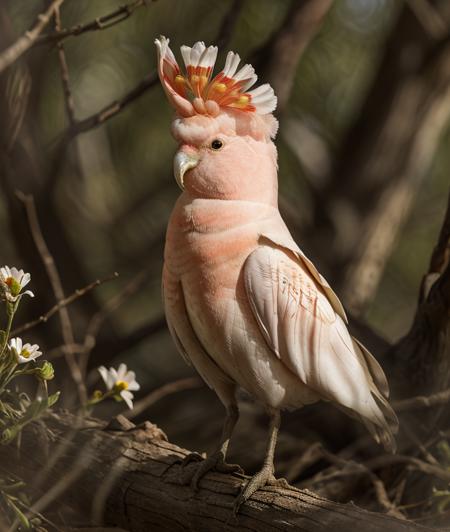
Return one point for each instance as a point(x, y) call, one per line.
point(100, 23)
point(18, 88)
point(422, 401)
point(312, 454)
point(228, 24)
point(393, 459)
point(84, 459)
point(429, 17)
point(440, 256)
point(149, 81)
point(13, 52)
point(116, 106)
point(61, 350)
point(111, 109)
point(417, 442)
point(350, 467)
point(80, 292)
point(55, 280)
point(91, 122)
point(90, 338)
point(167, 389)
point(108, 349)
point(377, 483)
point(278, 58)
point(64, 69)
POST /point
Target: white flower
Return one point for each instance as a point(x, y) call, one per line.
point(121, 381)
point(13, 281)
point(24, 352)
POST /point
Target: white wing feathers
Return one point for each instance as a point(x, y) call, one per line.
point(304, 326)
point(280, 237)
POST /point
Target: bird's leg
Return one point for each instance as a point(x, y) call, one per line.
point(266, 474)
point(217, 459)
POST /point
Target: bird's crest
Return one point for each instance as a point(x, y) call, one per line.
point(197, 92)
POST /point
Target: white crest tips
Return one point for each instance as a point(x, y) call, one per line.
point(229, 88)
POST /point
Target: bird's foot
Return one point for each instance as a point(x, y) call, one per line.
point(192, 458)
point(214, 462)
point(263, 478)
point(186, 471)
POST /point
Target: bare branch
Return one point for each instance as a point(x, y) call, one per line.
point(80, 292)
point(13, 52)
point(228, 24)
point(279, 57)
point(100, 23)
point(64, 69)
point(55, 280)
point(384, 460)
point(439, 258)
point(429, 17)
point(422, 401)
point(424, 350)
point(382, 226)
point(113, 108)
point(377, 483)
point(90, 338)
point(167, 389)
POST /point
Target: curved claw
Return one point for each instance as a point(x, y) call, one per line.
point(263, 478)
point(191, 458)
point(217, 462)
point(186, 472)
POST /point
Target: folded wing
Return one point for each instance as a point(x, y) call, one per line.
point(302, 320)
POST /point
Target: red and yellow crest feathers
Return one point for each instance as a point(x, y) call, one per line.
point(194, 92)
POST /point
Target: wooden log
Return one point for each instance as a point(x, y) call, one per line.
point(130, 476)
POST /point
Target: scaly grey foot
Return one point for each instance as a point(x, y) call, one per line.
point(186, 473)
point(263, 478)
point(214, 462)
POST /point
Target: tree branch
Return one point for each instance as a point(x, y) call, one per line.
point(112, 108)
point(100, 23)
point(64, 69)
point(277, 60)
point(422, 401)
point(384, 158)
point(80, 292)
point(13, 52)
point(167, 389)
point(425, 350)
point(55, 280)
point(130, 476)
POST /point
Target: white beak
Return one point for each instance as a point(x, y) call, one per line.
point(181, 164)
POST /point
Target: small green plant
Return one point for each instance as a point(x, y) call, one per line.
point(19, 358)
point(17, 408)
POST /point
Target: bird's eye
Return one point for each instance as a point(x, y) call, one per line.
point(216, 144)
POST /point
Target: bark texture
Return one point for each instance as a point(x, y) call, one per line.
point(129, 476)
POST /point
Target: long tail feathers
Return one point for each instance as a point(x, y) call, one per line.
point(384, 423)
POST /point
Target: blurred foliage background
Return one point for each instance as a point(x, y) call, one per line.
point(104, 198)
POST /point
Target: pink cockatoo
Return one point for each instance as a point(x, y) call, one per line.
point(243, 303)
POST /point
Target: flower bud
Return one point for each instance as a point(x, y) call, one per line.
point(45, 372)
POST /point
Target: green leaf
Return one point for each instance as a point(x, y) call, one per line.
point(33, 412)
point(19, 514)
point(51, 400)
point(12, 487)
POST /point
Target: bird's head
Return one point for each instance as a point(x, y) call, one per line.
point(224, 130)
